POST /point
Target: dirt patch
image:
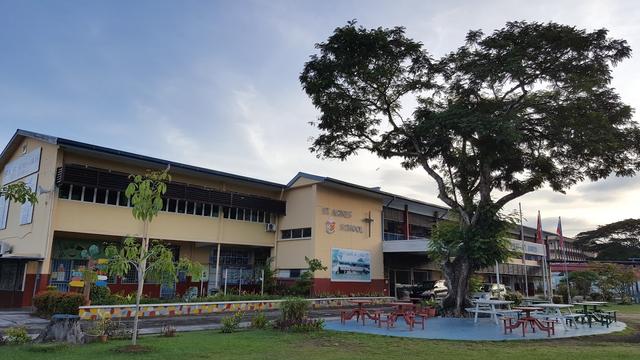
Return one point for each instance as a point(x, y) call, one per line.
point(133, 349)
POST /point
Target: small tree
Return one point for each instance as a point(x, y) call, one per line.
point(304, 284)
point(614, 280)
point(18, 192)
point(145, 194)
point(158, 262)
point(582, 282)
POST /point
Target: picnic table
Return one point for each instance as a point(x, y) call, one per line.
point(358, 312)
point(406, 310)
point(556, 311)
point(604, 318)
point(529, 320)
point(492, 307)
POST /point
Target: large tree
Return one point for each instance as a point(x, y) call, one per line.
point(616, 241)
point(505, 114)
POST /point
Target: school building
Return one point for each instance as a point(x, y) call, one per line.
point(369, 239)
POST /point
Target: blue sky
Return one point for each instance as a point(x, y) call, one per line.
point(215, 84)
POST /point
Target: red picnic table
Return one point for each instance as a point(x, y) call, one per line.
point(528, 320)
point(406, 310)
point(359, 312)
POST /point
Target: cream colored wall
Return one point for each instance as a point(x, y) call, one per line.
point(360, 207)
point(300, 214)
point(34, 239)
point(90, 218)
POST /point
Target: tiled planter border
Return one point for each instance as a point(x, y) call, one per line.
point(176, 309)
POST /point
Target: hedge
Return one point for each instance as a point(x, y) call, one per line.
point(49, 303)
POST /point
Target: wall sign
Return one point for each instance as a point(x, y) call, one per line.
point(25, 165)
point(26, 210)
point(350, 265)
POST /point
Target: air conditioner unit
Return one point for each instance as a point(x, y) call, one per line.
point(270, 227)
point(5, 248)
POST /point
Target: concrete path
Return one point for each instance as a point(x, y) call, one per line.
point(11, 318)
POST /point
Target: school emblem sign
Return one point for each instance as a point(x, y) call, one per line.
point(330, 226)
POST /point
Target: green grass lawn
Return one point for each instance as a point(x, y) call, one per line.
point(270, 344)
point(624, 309)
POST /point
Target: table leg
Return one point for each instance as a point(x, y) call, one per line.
point(475, 317)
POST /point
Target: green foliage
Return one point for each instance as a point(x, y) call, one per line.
point(302, 286)
point(159, 258)
point(514, 296)
point(581, 282)
point(145, 194)
point(231, 323)
point(294, 316)
point(294, 309)
point(528, 105)
point(19, 192)
point(48, 303)
point(101, 295)
point(270, 277)
point(616, 241)
point(17, 335)
point(102, 326)
point(614, 280)
point(559, 299)
point(561, 291)
point(483, 246)
point(475, 283)
point(259, 321)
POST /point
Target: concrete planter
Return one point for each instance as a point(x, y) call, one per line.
point(178, 309)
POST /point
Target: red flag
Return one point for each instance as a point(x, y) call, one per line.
point(559, 232)
point(539, 230)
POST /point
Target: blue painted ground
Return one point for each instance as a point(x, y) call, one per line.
point(465, 329)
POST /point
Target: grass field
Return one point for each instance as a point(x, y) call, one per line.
point(271, 344)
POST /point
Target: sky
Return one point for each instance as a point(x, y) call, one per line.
point(215, 83)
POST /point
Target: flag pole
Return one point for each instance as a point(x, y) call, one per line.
point(524, 259)
point(564, 256)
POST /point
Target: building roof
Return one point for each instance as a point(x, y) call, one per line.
point(101, 150)
point(390, 200)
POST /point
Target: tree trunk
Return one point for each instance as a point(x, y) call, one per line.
point(142, 267)
point(457, 273)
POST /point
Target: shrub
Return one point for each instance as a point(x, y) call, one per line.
point(259, 321)
point(231, 323)
point(557, 299)
point(102, 326)
point(294, 309)
point(18, 335)
point(515, 296)
point(101, 295)
point(54, 302)
point(308, 325)
point(596, 296)
point(168, 330)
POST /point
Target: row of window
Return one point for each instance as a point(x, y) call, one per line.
point(301, 233)
point(118, 198)
point(251, 215)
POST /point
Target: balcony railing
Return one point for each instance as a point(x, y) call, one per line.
point(393, 236)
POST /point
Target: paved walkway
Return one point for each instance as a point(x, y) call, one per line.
point(465, 329)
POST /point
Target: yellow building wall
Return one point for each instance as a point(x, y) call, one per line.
point(300, 214)
point(34, 239)
point(82, 217)
point(360, 206)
